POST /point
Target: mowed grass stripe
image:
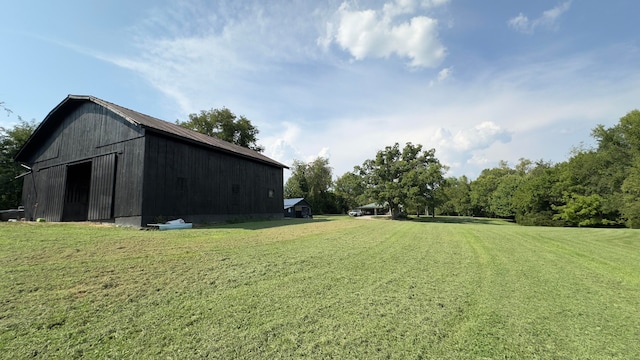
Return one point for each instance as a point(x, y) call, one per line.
point(327, 288)
point(557, 299)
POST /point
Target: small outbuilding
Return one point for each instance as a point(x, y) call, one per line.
point(93, 160)
point(373, 209)
point(297, 208)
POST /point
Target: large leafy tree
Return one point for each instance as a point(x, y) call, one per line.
point(631, 197)
point(500, 202)
point(580, 210)
point(600, 184)
point(350, 190)
point(537, 195)
point(403, 177)
point(11, 141)
point(297, 185)
point(590, 184)
point(312, 181)
point(424, 182)
point(531, 192)
point(630, 188)
point(432, 182)
point(383, 177)
point(225, 125)
point(457, 197)
point(484, 187)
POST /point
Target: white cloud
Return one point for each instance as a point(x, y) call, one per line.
point(281, 150)
point(466, 146)
point(221, 47)
point(398, 7)
point(479, 160)
point(377, 34)
point(520, 23)
point(325, 152)
point(280, 145)
point(285, 146)
point(481, 136)
point(443, 75)
point(548, 19)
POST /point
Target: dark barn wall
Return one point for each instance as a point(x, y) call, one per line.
point(86, 132)
point(200, 184)
point(43, 193)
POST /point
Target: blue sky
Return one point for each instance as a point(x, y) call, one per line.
point(479, 81)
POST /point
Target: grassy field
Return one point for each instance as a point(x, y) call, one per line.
point(333, 287)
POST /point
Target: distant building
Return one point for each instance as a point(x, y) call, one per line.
point(297, 208)
point(97, 161)
point(373, 209)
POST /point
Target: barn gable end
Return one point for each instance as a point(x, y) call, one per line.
point(75, 174)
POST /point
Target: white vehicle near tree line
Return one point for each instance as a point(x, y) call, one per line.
point(356, 212)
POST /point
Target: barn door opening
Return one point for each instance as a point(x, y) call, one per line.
point(76, 198)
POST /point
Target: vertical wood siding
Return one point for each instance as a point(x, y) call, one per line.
point(53, 200)
point(103, 170)
point(128, 186)
point(88, 132)
point(29, 197)
point(182, 180)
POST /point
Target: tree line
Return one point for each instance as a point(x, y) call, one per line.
point(596, 187)
point(402, 179)
point(11, 141)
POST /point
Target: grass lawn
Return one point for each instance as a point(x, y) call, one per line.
point(332, 287)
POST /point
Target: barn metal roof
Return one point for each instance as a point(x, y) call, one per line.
point(163, 127)
point(371, 206)
point(291, 202)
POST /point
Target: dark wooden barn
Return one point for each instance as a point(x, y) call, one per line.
point(97, 161)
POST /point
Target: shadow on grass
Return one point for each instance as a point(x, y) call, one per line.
point(286, 222)
point(462, 220)
point(260, 224)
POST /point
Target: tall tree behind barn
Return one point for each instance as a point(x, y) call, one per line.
point(94, 160)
